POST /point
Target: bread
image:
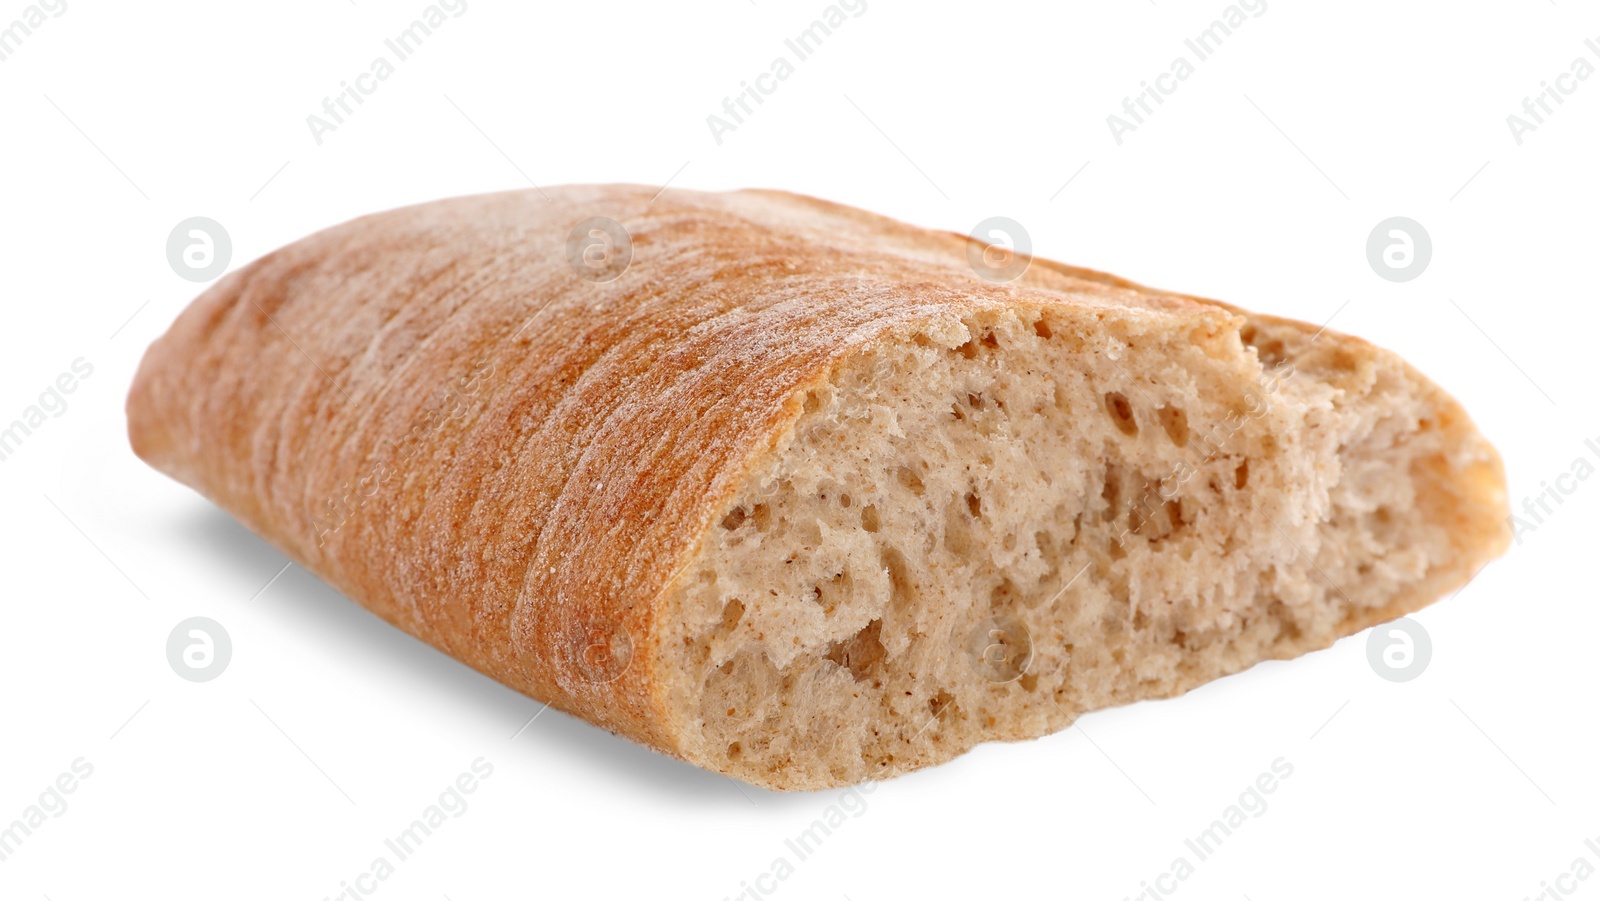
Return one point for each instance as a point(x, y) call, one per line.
point(797, 496)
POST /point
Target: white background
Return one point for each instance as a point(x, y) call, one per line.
point(1257, 181)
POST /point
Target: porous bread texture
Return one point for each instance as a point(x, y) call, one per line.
point(626, 498)
point(983, 530)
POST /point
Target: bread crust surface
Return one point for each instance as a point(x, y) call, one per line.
point(432, 410)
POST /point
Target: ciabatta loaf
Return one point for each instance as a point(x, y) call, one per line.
point(786, 489)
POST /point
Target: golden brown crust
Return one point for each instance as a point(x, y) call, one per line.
point(431, 410)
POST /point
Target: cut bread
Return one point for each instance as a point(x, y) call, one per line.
point(799, 497)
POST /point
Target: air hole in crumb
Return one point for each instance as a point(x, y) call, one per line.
point(1029, 681)
point(975, 401)
point(941, 702)
point(732, 613)
point(1287, 627)
point(862, 653)
point(1042, 328)
point(1121, 413)
point(968, 350)
point(762, 517)
point(989, 340)
point(955, 411)
point(1139, 515)
point(810, 534)
point(910, 479)
point(958, 529)
point(1003, 596)
point(869, 518)
point(902, 591)
point(1176, 423)
point(813, 402)
point(827, 595)
point(1175, 520)
point(974, 505)
point(1112, 493)
point(735, 750)
point(844, 500)
point(734, 519)
point(1241, 476)
point(1049, 552)
point(1060, 396)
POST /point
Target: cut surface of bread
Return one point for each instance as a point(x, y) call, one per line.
point(799, 497)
